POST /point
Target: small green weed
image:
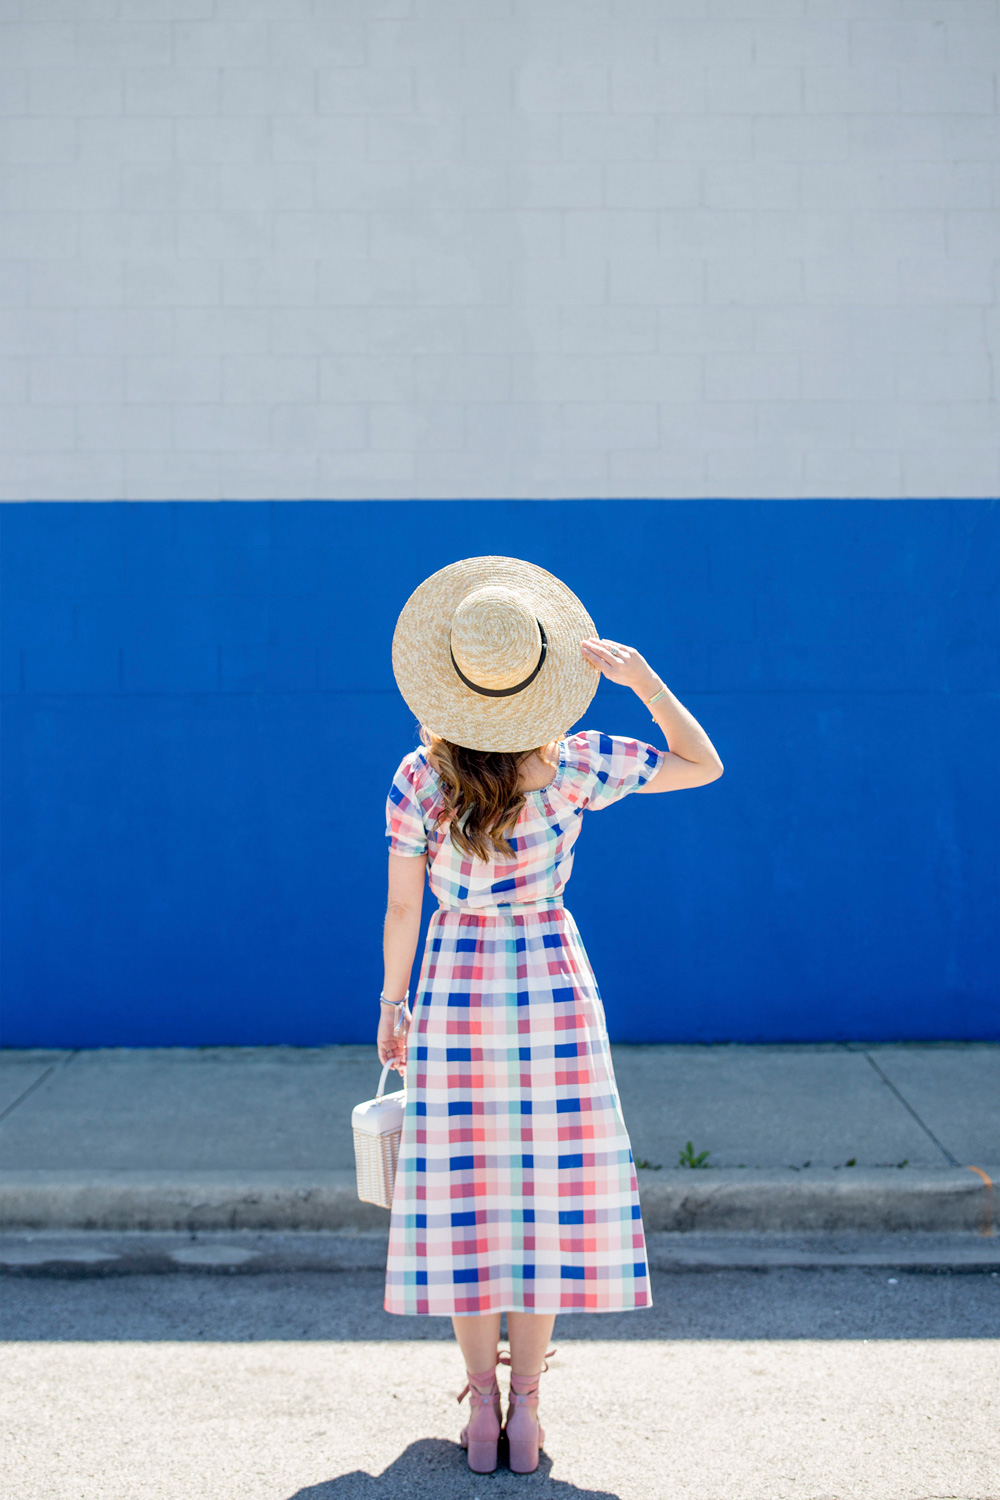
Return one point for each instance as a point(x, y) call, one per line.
point(648, 1166)
point(687, 1157)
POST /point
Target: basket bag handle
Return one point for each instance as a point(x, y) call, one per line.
point(381, 1082)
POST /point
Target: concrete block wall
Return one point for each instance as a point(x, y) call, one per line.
point(364, 249)
point(200, 725)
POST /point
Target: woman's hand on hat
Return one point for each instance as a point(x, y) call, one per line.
point(628, 667)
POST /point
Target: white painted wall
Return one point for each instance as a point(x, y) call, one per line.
point(449, 248)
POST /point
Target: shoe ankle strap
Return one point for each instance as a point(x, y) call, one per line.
point(475, 1382)
point(524, 1388)
point(504, 1359)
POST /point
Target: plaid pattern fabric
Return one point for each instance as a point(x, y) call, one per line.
point(595, 770)
point(515, 1186)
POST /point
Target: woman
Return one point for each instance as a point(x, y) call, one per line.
point(515, 1188)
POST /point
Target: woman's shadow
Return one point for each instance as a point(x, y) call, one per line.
point(434, 1468)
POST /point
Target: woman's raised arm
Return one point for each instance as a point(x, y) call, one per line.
point(692, 759)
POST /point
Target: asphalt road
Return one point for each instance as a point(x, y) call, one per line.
point(787, 1384)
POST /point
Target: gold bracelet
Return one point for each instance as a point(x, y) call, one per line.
point(653, 700)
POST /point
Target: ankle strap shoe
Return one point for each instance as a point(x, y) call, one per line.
point(524, 1434)
point(481, 1433)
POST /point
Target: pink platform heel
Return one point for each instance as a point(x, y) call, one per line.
point(524, 1434)
point(481, 1433)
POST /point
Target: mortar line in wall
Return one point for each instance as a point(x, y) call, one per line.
point(909, 1107)
point(307, 692)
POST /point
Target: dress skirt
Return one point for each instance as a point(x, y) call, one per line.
point(515, 1187)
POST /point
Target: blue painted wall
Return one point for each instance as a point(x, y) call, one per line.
point(200, 723)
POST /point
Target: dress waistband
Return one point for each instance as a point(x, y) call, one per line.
point(507, 908)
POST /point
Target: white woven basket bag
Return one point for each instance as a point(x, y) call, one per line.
point(378, 1125)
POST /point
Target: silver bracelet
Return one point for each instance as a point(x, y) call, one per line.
point(399, 1006)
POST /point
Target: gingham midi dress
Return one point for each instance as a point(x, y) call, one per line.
point(515, 1187)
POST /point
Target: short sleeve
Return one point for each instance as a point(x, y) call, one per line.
point(612, 766)
point(404, 823)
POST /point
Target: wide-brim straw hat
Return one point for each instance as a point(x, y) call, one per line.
point(486, 653)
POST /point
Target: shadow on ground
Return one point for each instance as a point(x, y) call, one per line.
point(435, 1469)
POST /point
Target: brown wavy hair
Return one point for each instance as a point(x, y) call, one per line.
point(481, 795)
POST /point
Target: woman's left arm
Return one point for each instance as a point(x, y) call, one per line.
point(400, 935)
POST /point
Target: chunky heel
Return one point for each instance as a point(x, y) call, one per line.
point(524, 1435)
point(481, 1433)
point(483, 1456)
point(524, 1455)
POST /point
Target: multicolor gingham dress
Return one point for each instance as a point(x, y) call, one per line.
point(515, 1187)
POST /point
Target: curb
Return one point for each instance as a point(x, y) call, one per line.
point(189, 1200)
point(872, 1200)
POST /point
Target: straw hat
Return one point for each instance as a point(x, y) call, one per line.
point(486, 653)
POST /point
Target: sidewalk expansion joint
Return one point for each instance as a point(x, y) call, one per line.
point(37, 1084)
point(909, 1107)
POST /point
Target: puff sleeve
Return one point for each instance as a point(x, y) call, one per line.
point(612, 766)
point(404, 824)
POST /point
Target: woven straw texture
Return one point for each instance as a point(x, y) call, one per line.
point(375, 1157)
point(485, 610)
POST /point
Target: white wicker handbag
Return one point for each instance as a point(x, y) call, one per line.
point(378, 1125)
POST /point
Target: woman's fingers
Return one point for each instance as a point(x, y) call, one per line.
point(595, 648)
point(602, 650)
point(619, 663)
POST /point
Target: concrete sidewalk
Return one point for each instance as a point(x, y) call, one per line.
point(801, 1138)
